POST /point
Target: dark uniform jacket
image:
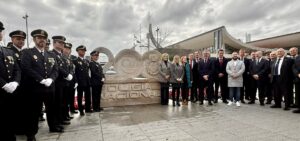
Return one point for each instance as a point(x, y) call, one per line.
point(9, 68)
point(63, 70)
point(82, 72)
point(37, 67)
point(17, 54)
point(96, 73)
point(71, 69)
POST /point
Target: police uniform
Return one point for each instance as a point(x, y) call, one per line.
point(9, 72)
point(61, 83)
point(21, 91)
point(83, 79)
point(97, 79)
point(41, 70)
point(10, 75)
point(71, 85)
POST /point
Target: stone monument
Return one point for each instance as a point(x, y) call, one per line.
point(131, 79)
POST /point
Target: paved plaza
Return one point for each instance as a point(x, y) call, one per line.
point(186, 123)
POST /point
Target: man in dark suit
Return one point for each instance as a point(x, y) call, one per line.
point(245, 90)
point(293, 55)
point(194, 59)
point(296, 71)
point(83, 79)
point(70, 85)
point(252, 81)
point(41, 70)
point(206, 74)
point(10, 76)
point(97, 80)
point(259, 71)
point(270, 90)
point(64, 76)
point(281, 72)
point(221, 77)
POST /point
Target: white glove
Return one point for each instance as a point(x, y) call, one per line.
point(43, 82)
point(76, 85)
point(48, 82)
point(7, 87)
point(69, 77)
point(103, 79)
point(13, 85)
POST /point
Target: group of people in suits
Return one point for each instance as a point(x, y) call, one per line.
point(272, 77)
point(33, 77)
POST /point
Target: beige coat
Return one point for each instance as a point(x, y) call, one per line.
point(164, 71)
point(235, 73)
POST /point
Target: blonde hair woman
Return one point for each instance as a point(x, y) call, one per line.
point(177, 73)
point(187, 80)
point(164, 78)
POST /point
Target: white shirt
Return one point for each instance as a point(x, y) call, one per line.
point(41, 51)
point(17, 48)
point(279, 65)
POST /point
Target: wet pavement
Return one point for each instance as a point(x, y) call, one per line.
point(186, 123)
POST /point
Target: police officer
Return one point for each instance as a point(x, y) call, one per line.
point(97, 79)
point(10, 75)
point(41, 70)
point(18, 37)
point(61, 81)
point(83, 79)
point(71, 85)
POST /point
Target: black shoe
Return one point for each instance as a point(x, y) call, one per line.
point(216, 101)
point(174, 104)
point(89, 111)
point(225, 101)
point(209, 103)
point(275, 106)
point(243, 101)
point(65, 123)
point(293, 106)
point(262, 104)
point(296, 111)
point(58, 130)
point(82, 113)
point(178, 104)
point(67, 119)
point(60, 127)
point(251, 102)
point(74, 112)
point(101, 109)
point(201, 103)
point(286, 108)
point(70, 117)
point(31, 138)
point(42, 118)
point(194, 101)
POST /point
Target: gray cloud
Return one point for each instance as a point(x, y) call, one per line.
point(112, 23)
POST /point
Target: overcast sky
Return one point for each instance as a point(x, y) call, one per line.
point(113, 23)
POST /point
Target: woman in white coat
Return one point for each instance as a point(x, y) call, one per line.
point(235, 69)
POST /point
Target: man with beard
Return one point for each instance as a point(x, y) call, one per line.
point(40, 68)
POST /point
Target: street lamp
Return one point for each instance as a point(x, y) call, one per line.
point(26, 17)
point(157, 29)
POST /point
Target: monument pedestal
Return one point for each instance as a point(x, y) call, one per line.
point(136, 91)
